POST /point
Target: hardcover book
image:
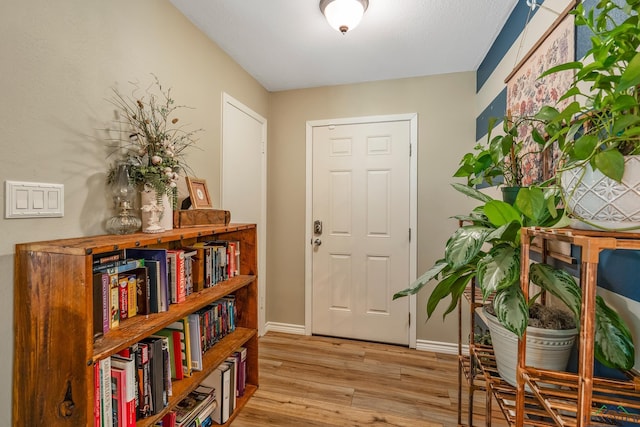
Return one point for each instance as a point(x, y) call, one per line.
point(159, 255)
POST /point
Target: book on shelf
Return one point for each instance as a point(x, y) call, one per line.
point(106, 410)
point(153, 277)
point(107, 259)
point(182, 327)
point(118, 409)
point(144, 380)
point(175, 353)
point(177, 275)
point(126, 369)
point(220, 379)
point(220, 260)
point(127, 265)
point(143, 291)
point(123, 296)
point(189, 260)
point(101, 316)
point(114, 301)
point(198, 261)
point(189, 408)
point(166, 368)
point(234, 258)
point(132, 294)
point(195, 342)
point(97, 404)
point(241, 355)
point(233, 387)
point(160, 255)
point(169, 420)
point(156, 370)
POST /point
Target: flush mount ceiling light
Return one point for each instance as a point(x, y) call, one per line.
point(343, 15)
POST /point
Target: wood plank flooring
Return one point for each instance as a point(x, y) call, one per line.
point(319, 381)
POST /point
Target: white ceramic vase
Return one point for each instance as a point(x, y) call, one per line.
point(597, 202)
point(546, 348)
point(156, 217)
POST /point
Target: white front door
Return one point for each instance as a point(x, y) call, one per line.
point(244, 178)
point(361, 255)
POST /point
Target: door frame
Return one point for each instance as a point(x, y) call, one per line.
point(230, 102)
point(412, 118)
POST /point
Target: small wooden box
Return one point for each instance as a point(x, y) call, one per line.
point(195, 217)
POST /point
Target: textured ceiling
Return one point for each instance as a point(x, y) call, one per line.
point(287, 44)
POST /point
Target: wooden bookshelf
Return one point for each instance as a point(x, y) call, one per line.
point(53, 322)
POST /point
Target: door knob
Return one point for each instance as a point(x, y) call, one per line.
point(317, 242)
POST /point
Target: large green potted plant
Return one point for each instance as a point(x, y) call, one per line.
point(486, 249)
point(598, 134)
point(500, 160)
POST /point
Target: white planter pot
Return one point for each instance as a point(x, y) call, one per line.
point(546, 348)
point(597, 202)
point(163, 213)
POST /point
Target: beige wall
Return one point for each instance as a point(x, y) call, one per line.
point(445, 130)
point(59, 60)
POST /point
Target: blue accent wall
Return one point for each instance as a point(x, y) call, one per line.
point(497, 109)
point(509, 33)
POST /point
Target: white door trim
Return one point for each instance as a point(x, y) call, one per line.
point(413, 220)
point(229, 101)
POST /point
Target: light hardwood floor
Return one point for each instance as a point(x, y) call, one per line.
point(320, 381)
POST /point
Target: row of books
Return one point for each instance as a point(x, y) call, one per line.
point(145, 281)
point(138, 381)
point(132, 384)
point(221, 260)
point(214, 401)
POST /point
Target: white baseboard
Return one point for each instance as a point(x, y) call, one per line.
point(440, 347)
point(286, 328)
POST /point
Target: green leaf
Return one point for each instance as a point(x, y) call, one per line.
point(511, 310)
point(584, 146)
point(499, 269)
point(464, 245)
point(613, 342)
point(631, 75)
point(463, 171)
point(500, 213)
point(624, 102)
point(472, 192)
point(623, 122)
point(547, 113)
point(457, 288)
point(441, 291)
point(530, 201)
point(426, 277)
point(537, 137)
point(610, 163)
point(560, 284)
point(506, 233)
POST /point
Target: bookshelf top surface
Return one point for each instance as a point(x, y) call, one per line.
point(109, 242)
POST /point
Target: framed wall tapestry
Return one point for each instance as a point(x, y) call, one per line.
point(526, 93)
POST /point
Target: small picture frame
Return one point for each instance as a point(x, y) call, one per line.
point(198, 193)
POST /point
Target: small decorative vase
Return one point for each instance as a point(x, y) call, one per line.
point(597, 202)
point(157, 215)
